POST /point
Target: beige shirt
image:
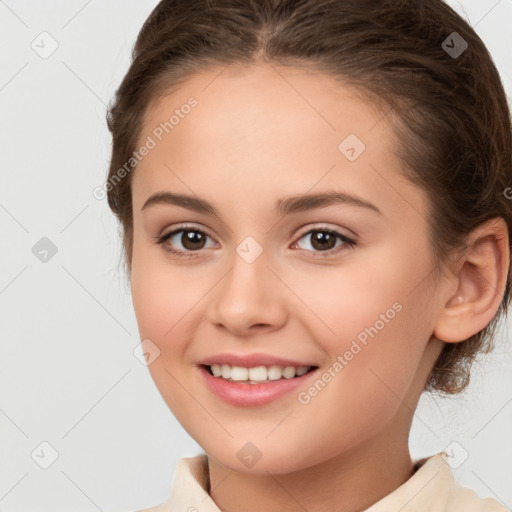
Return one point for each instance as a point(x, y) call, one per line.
point(430, 489)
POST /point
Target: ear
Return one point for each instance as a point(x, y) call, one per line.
point(479, 279)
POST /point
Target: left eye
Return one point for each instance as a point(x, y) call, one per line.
point(324, 240)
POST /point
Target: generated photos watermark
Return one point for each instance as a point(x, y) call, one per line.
point(151, 142)
point(357, 345)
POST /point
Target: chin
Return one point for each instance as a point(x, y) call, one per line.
point(246, 458)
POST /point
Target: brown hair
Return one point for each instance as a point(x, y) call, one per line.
point(454, 123)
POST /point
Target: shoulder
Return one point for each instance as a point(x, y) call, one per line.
point(432, 488)
point(189, 488)
point(163, 507)
point(465, 499)
point(458, 498)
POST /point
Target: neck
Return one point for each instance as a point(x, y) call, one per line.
point(348, 482)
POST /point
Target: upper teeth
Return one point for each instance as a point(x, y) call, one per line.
point(258, 373)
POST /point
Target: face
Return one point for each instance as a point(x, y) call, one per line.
point(343, 286)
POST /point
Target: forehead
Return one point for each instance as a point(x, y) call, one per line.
point(242, 95)
point(267, 128)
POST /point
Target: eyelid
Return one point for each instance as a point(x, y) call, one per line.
point(183, 227)
point(325, 226)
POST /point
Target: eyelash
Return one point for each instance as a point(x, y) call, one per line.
point(160, 240)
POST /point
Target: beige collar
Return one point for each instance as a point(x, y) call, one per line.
point(430, 489)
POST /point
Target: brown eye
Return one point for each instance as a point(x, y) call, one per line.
point(184, 241)
point(192, 240)
point(324, 240)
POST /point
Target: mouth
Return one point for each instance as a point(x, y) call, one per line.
point(257, 374)
point(254, 386)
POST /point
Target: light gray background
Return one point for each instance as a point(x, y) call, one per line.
point(67, 369)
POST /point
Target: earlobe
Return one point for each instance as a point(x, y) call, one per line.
point(481, 277)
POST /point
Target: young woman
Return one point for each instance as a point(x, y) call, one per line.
point(313, 196)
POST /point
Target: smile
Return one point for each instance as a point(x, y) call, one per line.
point(254, 390)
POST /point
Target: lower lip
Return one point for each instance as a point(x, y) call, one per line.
point(249, 395)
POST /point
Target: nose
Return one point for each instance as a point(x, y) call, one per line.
point(248, 299)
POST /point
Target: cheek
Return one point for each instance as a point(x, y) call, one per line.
point(377, 287)
point(163, 300)
point(375, 317)
point(366, 384)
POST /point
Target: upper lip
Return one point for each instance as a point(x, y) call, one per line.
point(251, 360)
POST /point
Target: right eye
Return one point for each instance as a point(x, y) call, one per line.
point(191, 239)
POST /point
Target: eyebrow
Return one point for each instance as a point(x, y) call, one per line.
point(284, 206)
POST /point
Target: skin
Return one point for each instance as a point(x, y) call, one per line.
point(258, 134)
